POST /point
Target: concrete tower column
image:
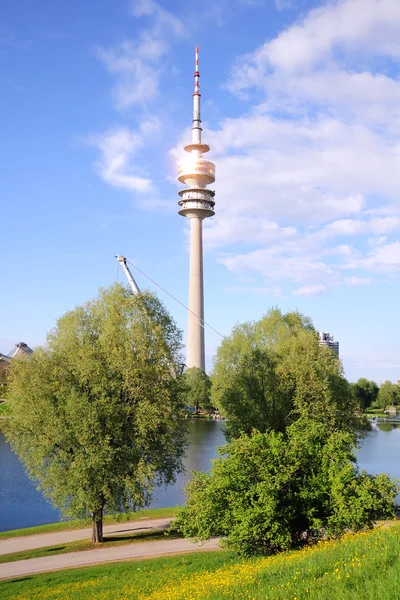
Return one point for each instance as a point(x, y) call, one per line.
point(196, 203)
point(195, 338)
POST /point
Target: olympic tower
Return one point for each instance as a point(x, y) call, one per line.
point(196, 203)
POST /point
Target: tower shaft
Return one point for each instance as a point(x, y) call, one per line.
point(195, 337)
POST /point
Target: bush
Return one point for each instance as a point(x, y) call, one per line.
point(268, 372)
point(274, 492)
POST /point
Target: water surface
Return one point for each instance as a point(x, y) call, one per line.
point(22, 505)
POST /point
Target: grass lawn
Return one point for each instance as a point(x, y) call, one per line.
point(376, 412)
point(364, 566)
point(151, 513)
point(82, 545)
point(4, 408)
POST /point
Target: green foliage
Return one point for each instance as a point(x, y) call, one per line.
point(4, 409)
point(389, 394)
point(95, 413)
point(365, 392)
point(198, 388)
point(267, 373)
point(270, 492)
point(4, 367)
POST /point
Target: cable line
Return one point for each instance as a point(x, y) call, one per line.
point(201, 321)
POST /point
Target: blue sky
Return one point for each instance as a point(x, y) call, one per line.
point(301, 107)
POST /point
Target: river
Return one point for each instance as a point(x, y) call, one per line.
point(21, 505)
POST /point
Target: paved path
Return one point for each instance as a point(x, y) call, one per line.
point(91, 557)
point(43, 540)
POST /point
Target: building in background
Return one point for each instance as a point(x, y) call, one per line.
point(326, 339)
point(19, 348)
point(196, 204)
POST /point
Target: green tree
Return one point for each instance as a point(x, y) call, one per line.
point(366, 392)
point(388, 394)
point(95, 413)
point(266, 373)
point(273, 492)
point(198, 388)
point(4, 366)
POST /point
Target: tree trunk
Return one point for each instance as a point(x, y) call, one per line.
point(97, 526)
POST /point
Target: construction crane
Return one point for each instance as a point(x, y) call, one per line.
point(122, 261)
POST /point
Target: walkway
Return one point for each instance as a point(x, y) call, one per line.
point(140, 550)
point(43, 540)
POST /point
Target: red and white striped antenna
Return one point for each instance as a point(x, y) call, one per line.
point(197, 74)
point(196, 129)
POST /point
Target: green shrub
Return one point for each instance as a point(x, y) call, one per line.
point(273, 492)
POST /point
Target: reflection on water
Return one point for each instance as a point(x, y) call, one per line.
point(203, 438)
point(21, 505)
point(380, 450)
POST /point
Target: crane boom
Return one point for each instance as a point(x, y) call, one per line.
point(132, 282)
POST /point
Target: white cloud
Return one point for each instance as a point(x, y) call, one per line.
point(283, 4)
point(377, 241)
point(310, 290)
point(270, 291)
point(137, 64)
point(356, 227)
point(384, 225)
point(382, 259)
point(383, 211)
point(246, 229)
point(137, 77)
point(342, 250)
point(162, 18)
point(282, 263)
point(344, 227)
point(367, 26)
point(250, 3)
point(118, 164)
point(299, 171)
point(115, 166)
point(357, 280)
point(318, 158)
point(222, 12)
point(377, 360)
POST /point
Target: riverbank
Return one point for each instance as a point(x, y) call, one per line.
point(151, 513)
point(364, 565)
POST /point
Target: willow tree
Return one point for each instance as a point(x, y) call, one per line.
point(95, 412)
point(388, 395)
point(198, 388)
point(268, 373)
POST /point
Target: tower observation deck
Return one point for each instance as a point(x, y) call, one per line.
point(196, 203)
